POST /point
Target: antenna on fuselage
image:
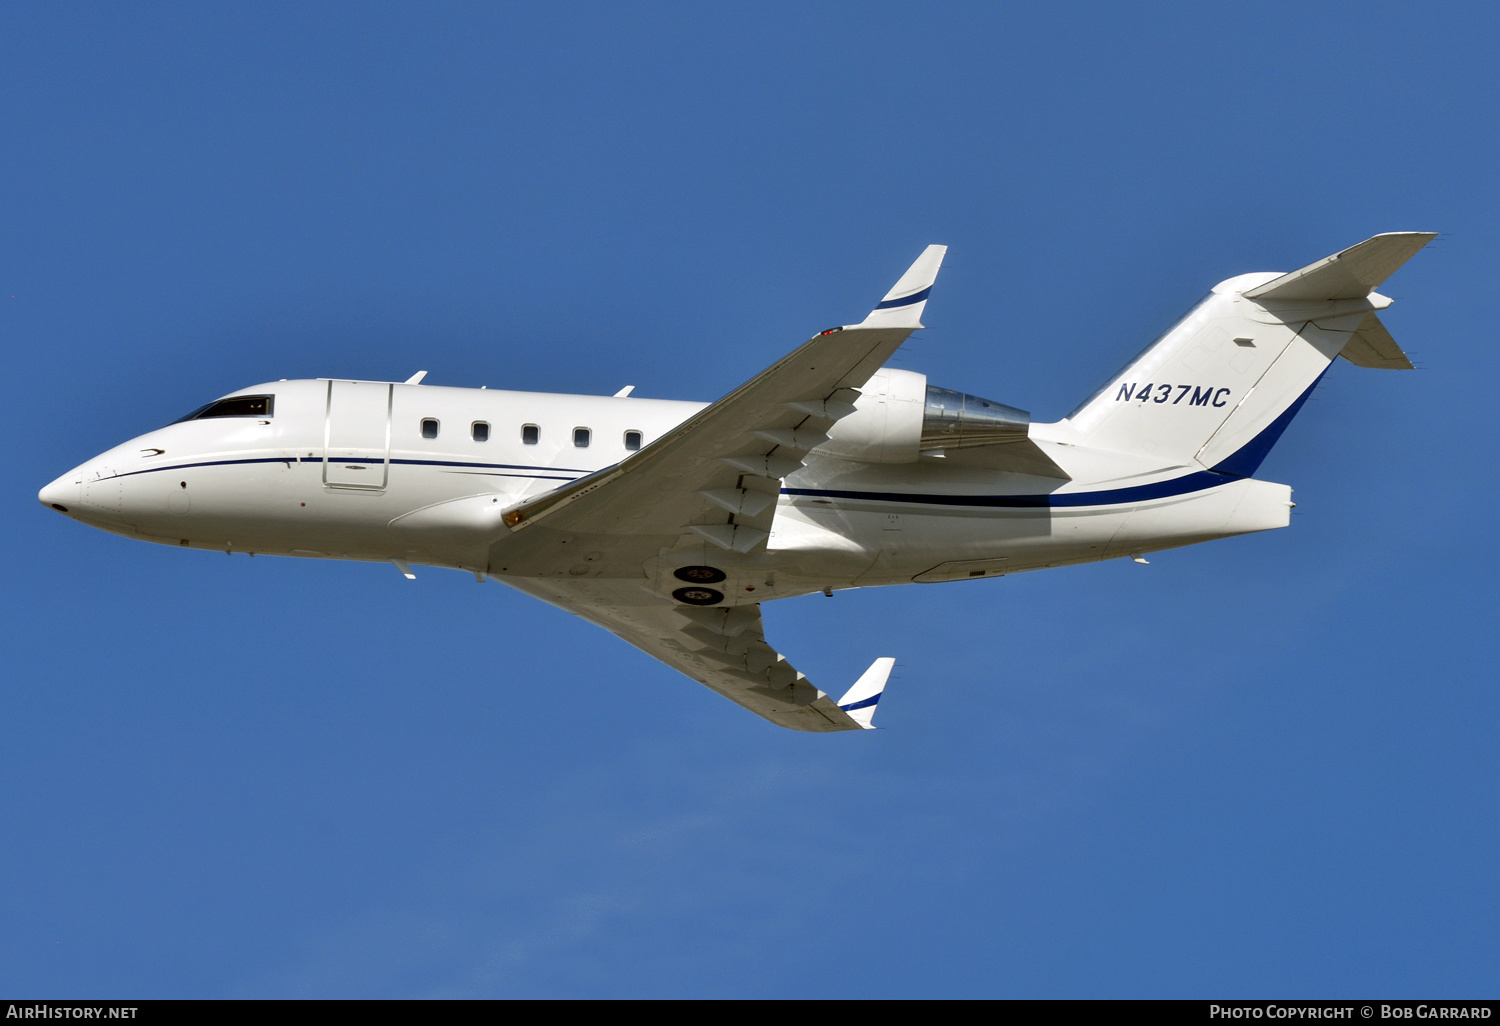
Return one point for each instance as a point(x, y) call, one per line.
point(416, 379)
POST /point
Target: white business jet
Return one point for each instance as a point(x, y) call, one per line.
point(669, 523)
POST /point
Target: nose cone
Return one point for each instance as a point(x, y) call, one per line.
point(64, 494)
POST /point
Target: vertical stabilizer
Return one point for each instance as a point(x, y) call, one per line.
point(1218, 388)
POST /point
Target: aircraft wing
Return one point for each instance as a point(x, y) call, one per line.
point(734, 453)
point(715, 478)
point(723, 648)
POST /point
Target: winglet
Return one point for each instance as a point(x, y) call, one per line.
point(859, 701)
point(902, 306)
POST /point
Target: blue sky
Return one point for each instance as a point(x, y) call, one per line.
point(1264, 766)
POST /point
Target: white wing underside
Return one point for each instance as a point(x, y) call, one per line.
point(737, 662)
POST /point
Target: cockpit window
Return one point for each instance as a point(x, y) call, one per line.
point(235, 406)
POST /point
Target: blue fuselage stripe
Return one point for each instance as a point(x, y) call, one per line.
point(1184, 485)
point(1188, 483)
point(552, 476)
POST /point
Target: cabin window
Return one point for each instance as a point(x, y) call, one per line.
point(429, 428)
point(235, 406)
point(581, 437)
point(632, 440)
point(530, 433)
point(480, 431)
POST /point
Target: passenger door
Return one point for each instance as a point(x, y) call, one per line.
point(357, 435)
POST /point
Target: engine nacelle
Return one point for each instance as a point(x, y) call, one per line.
point(886, 425)
point(898, 416)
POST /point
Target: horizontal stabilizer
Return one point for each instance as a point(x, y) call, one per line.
point(1372, 346)
point(859, 701)
point(1351, 274)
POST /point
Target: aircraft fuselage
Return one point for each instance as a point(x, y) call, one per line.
point(421, 474)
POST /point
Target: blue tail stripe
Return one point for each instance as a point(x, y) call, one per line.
point(1246, 460)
